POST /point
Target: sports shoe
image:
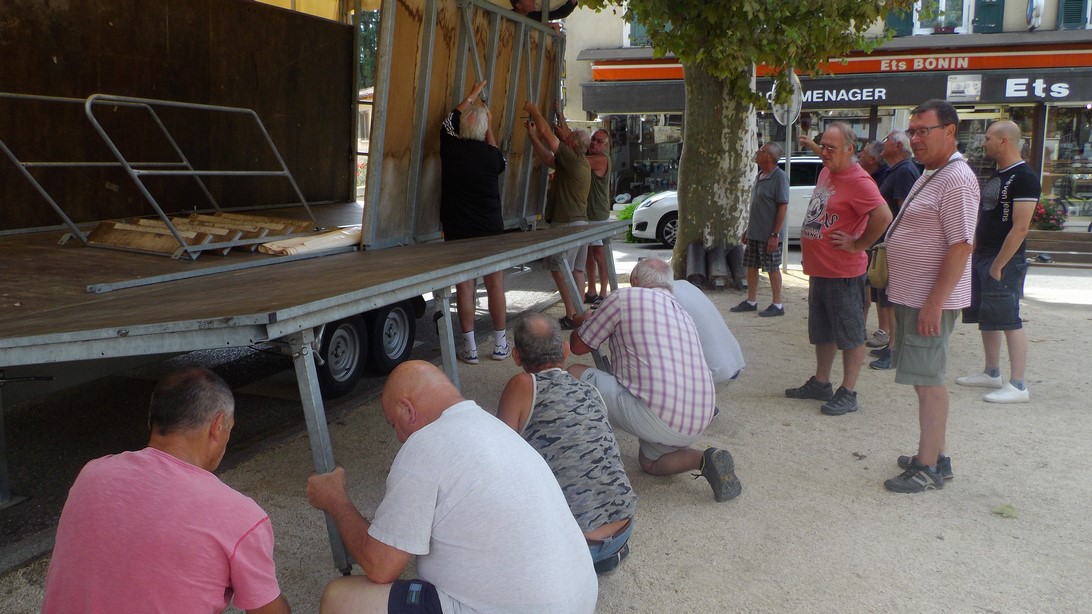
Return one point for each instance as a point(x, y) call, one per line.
point(916, 478)
point(744, 306)
point(844, 401)
point(719, 468)
point(500, 353)
point(470, 358)
point(590, 298)
point(771, 311)
point(980, 380)
point(879, 339)
point(944, 465)
point(878, 352)
point(1008, 394)
point(812, 389)
point(566, 323)
point(883, 362)
point(608, 564)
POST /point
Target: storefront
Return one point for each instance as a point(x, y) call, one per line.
point(1042, 81)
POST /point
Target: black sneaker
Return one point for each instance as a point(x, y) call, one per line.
point(744, 306)
point(879, 352)
point(944, 465)
point(844, 401)
point(720, 469)
point(882, 363)
point(771, 311)
point(812, 389)
point(916, 478)
point(609, 564)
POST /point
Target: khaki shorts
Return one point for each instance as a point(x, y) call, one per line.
point(574, 258)
point(920, 361)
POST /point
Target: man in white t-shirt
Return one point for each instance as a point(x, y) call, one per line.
point(472, 500)
point(718, 344)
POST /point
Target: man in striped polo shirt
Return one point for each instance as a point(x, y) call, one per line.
point(928, 251)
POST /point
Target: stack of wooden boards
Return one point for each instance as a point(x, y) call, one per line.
point(153, 234)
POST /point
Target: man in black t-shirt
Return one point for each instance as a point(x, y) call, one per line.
point(999, 266)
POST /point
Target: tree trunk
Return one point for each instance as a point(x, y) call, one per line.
point(717, 167)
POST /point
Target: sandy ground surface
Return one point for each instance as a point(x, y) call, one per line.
point(814, 530)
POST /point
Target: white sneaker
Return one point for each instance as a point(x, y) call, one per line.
point(879, 339)
point(980, 380)
point(470, 358)
point(1008, 394)
point(500, 353)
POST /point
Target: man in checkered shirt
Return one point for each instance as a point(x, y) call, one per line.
point(661, 390)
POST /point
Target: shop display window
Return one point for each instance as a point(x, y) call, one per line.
point(1067, 159)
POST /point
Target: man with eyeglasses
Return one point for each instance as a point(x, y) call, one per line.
point(928, 249)
point(845, 216)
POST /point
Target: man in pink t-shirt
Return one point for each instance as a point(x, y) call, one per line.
point(155, 530)
point(845, 217)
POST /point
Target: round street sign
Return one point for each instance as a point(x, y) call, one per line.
point(788, 112)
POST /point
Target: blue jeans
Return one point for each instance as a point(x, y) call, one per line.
point(610, 545)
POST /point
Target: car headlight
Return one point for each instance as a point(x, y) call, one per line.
point(646, 204)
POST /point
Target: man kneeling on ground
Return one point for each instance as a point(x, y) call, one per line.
point(565, 420)
point(476, 504)
point(662, 390)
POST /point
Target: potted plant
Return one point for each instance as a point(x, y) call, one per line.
point(945, 24)
point(1050, 215)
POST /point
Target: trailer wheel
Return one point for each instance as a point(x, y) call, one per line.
point(342, 352)
point(391, 329)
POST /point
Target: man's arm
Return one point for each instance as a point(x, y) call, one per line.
point(380, 562)
point(878, 220)
point(1022, 211)
point(469, 100)
point(778, 223)
point(951, 271)
point(277, 606)
point(541, 152)
point(562, 129)
point(577, 345)
point(515, 401)
point(547, 136)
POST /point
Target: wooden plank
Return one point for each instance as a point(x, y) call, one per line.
point(142, 238)
point(269, 222)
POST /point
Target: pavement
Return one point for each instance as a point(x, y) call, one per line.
point(813, 531)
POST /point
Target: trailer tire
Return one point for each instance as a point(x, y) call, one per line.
point(391, 330)
point(342, 350)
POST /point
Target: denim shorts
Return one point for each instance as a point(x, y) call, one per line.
point(995, 305)
point(836, 311)
point(611, 545)
point(413, 597)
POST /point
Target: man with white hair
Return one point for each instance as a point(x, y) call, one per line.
point(470, 206)
point(662, 390)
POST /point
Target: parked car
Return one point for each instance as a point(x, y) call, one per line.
point(658, 216)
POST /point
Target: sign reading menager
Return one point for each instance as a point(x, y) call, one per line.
point(1049, 85)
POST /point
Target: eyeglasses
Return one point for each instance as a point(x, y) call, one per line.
point(830, 148)
point(921, 133)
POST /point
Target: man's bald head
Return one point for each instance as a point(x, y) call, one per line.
point(1002, 142)
point(415, 395)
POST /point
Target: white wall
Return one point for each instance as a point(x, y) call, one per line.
point(586, 29)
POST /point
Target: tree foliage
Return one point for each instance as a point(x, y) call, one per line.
point(727, 38)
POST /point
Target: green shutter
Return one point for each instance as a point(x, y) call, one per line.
point(902, 22)
point(989, 16)
point(638, 35)
point(1072, 14)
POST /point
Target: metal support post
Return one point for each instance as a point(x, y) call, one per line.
point(317, 432)
point(574, 292)
point(612, 273)
point(446, 332)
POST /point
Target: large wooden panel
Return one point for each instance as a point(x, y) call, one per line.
point(294, 70)
point(517, 50)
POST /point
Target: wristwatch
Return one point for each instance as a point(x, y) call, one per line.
point(773, 234)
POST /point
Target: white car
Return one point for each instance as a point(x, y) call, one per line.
point(657, 217)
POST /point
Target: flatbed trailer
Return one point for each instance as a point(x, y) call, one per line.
point(73, 302)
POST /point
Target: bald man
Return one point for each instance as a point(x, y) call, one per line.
point(999, 267)
point(479, 508)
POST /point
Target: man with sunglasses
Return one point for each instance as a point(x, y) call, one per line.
point(928, 250)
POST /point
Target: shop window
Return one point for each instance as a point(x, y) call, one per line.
point(1067, 158)
point(932, 17)
point(1072, 14)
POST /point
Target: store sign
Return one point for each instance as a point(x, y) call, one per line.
point(1041, 89)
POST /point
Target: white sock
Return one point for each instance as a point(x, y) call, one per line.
point(779, 305)
point(471, 344)
point(752, 303)
point(499, 338)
